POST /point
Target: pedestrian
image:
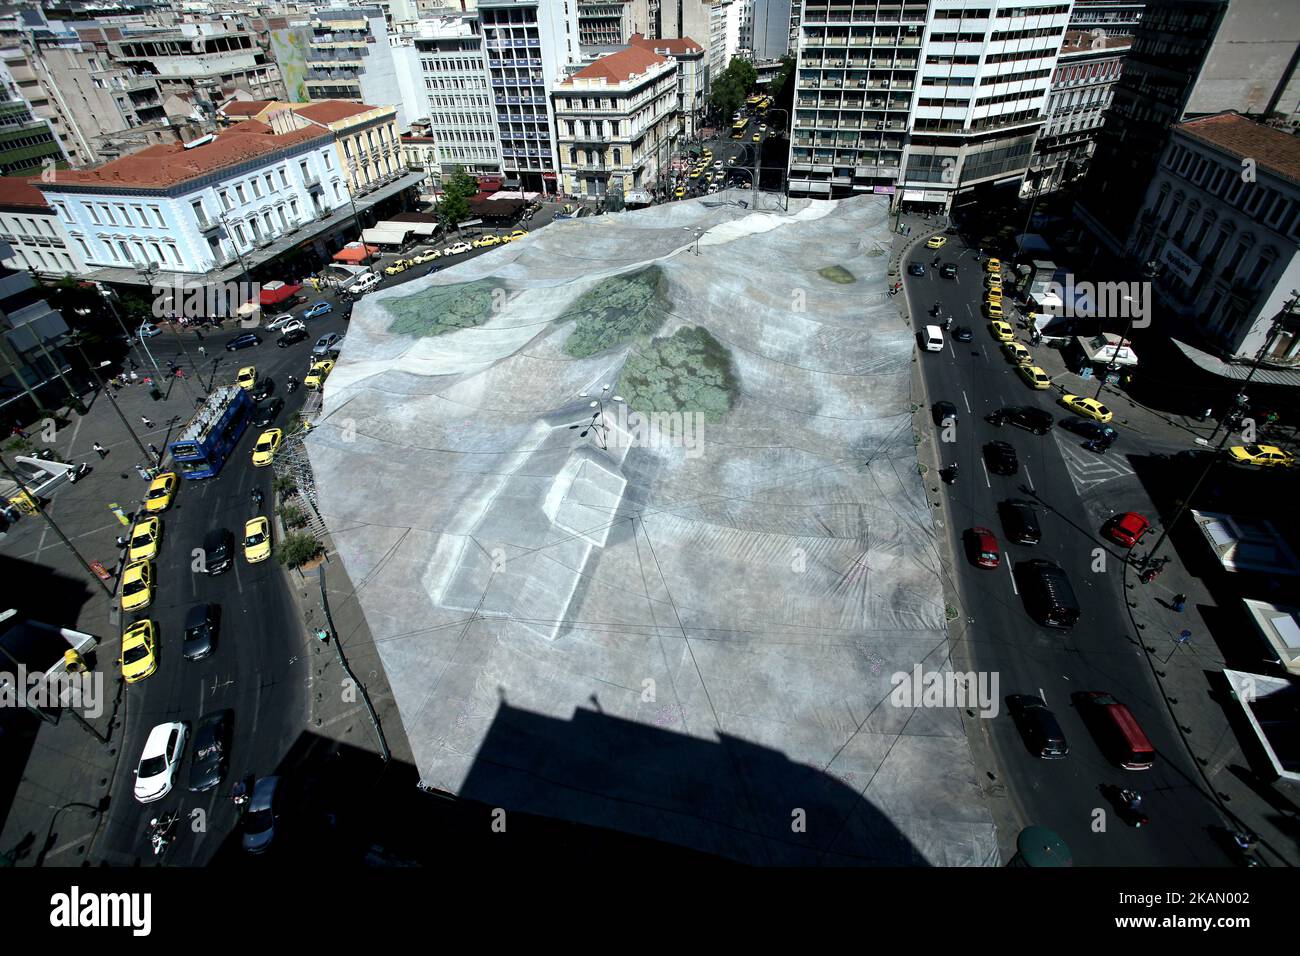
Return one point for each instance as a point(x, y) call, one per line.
point(134, 366)
point(1179, 602)
point(100, 450)
point(203, 353)
point(1147, 576)
point(146, 422)
point(20, 433)
point(134, 377)
point(180, 372)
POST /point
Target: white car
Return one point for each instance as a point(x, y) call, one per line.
point(292, 326)
point(279, 323)
point(148, 330)
point(364, 283)
point(159, 761)
point(457, 248)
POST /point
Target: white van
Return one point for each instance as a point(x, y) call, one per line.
point(364, 283)
point(933, 338)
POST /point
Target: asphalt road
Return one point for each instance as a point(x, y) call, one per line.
point(258, 670)
point(1098, 654)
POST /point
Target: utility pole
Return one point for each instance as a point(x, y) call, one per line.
point(57, 530)
point(1276, 327)
point(148, 271)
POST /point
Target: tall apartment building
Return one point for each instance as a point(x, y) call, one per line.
point(616, 124)
point(1083, 85)
point(27, 141)
point(604, 22)
point(726, 33)
point(462, 106)
point(692, 78)
point(1228, 245)
point(1189, 58)
point(856, 73)
point(528, 43)
point(200, 57)
point(769, 29)
point(342, 42)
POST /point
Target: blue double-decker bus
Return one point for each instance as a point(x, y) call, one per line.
point(212, 434)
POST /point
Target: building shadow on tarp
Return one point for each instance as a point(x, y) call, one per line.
point(596, 786)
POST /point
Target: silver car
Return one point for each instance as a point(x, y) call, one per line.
point(263, 810)
point(327, 343)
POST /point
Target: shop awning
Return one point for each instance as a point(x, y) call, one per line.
point(355, 252)
point(386, 234)
point(273, 293)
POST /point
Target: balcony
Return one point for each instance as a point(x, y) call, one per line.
point(312, 181)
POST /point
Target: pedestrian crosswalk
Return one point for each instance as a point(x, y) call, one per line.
point(1088, 469)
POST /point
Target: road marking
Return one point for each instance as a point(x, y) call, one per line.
point(1030, 477)
point(1042, 696)
point(202, 693)
point(966, 401)
point(986, 473)
point(1012, 576)
point(1087, 470)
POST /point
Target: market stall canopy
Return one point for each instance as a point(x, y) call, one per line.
point(273, 293)
point(386, 234)
point(355, 252)
point(1109, 348)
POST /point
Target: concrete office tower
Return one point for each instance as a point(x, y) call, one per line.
point(770, 29)
point(342, 43)
point(27, 141)
point(1083, 85)
point(1189, 58)
point(528, 43)
point(459, 99)
point(604, 22)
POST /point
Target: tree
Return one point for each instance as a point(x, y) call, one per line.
point(727, 96)
point(456, 192)
point(297, 549)
point(743, 72)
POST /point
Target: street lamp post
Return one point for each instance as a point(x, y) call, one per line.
point(597, 423)
point(112, 400)
point(1149, 273)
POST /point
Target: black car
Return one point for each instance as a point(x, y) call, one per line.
point(218, 550)
point(1025, 416)
point(1048, 596)
point(245, 341)
point(949, 270)
point(1093, 431)
point(1019, 521)
point(1001, 458)
point(944, 412)
point(263, 389)
point(962, 333)
point(266, 413)
point(211, 753)
point(202, 622)
point(292, 336)
point(1038, 726)
point(915, 269)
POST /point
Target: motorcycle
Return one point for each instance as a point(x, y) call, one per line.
point(934, 310)
point(949, 473)
point(256, 497)
point(78, 473)
point(291, 385)
point(241, 793)
point(160, 832)
point(1096, 445)
point(1129, 805)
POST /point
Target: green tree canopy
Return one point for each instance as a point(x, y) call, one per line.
point(456, 192)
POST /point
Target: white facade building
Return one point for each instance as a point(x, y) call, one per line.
point(34, 232)
point(692, 77)
point(1227, 244)
point(617, 120)
point(194, 210)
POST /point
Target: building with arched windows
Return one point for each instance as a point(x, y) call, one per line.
point(1221, 219)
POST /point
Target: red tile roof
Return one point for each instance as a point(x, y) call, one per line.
point(331, 111)
point(245, 107)
point(248, 126)
point(1271, 149)
point(674, 45)
point(621, 66)
point(167, 164)
point(15, 191)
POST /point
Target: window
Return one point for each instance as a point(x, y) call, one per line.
point(239, 191)
point(225, 200)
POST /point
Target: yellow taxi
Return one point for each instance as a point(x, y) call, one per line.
point(267, 444)
point(1264, 456)
point(993, 309)
point(161, 490)
point(318, 372)
point(247, 377)
point(516, 235)
point(936, 242)
point(994, 266)
point(400, 265)
point(756, 137)
point(1002, 331)
point(1034, 377)
point(1017, 354)
point(994, 298)
point(1088, 408)
point(139, 652)
point(695, 173)
point(137, 586)
point(257, 540)
point(679, 192)
point(993, 281)
point(483, 242)
point(144, 541)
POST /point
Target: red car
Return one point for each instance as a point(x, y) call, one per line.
point(982, 547)
point(1127, 529)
